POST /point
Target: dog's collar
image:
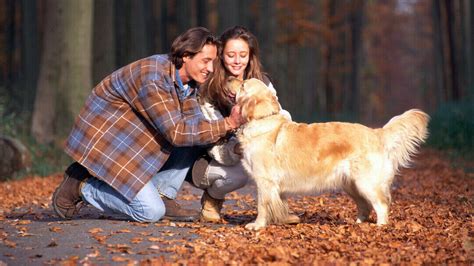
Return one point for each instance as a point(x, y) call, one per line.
point(261, 118)
point(272, 114)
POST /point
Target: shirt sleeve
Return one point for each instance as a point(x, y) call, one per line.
point(181, 122)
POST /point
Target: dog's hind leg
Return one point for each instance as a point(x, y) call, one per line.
point(363, 206)
point(270, 207)
point(382, 204)
point(379, 197)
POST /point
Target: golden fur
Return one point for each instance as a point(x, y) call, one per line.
point(285, 157)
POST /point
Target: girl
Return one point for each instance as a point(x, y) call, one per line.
point(220, 171)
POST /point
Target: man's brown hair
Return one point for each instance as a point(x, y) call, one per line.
point(190, 43)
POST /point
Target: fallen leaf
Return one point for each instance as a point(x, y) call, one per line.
point(95, 230)
point(136, 240)
point(55, 229)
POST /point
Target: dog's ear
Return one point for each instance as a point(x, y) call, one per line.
point(265, 106)
point(234, 85)
point(247, 107)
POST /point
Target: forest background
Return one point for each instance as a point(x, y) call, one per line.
point(345, 60)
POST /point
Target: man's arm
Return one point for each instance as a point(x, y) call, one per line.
point(182, 124)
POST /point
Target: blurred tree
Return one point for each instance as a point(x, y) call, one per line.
point(104, 44)
point(354, 58)
point(451, 46)
point(470, 47)
point(30, 54)
point(65, 71)
point(133, 23)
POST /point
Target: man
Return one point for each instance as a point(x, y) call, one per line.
point(137, 135)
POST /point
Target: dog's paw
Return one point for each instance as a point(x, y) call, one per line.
point(254, 226)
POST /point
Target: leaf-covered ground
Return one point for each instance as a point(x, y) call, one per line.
point(431, 221)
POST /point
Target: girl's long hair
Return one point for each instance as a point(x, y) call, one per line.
point(215, 89)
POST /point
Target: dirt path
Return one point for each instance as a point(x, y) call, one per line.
point(431, 222)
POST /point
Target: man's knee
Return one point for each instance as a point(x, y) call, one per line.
point(150, 213)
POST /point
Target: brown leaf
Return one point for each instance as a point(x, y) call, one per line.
point(136, 240)
point(95, 230)
point(9, 243)
point(55, 229)
point(119, 259)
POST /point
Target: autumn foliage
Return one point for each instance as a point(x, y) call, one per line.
point(431, 222)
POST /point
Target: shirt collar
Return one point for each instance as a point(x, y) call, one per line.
point(185, 90)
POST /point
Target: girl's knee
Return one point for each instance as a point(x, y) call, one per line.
point(239, 181)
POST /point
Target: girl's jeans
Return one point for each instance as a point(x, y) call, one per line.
point(147, 206)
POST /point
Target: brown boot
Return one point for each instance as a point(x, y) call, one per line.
point(67, 199)
point(174, 212)
point(211, 208)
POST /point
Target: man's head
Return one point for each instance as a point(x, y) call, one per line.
point(193, 53)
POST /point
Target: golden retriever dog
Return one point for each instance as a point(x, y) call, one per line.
point(285, 157)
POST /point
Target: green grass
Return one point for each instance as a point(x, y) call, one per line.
point(46, 159)
point(452, 131)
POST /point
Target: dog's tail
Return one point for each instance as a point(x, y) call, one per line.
point(403, 134)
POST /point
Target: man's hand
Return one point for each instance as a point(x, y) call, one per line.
point(234, 120)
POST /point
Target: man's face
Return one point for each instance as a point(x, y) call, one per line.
point(198, 67)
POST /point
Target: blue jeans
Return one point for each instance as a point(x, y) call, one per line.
point(147, 206)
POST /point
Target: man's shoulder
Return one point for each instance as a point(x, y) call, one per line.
point(160, 61)
point(156, 67)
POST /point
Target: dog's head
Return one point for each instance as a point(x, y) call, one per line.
point(234, 85)
point(255, 99)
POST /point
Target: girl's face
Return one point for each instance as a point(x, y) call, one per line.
point(236, 57)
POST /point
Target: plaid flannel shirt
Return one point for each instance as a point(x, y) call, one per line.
point(132, 119)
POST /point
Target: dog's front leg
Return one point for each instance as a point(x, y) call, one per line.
point(262, 216)
point(269, 206)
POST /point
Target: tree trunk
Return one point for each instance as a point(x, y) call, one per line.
point(227, 19)
point(187, 14)
point(140, 15)
point(9, 78)
point(30, 54)
point(213, 15)
point(65, 73)
point(438, 53)
point(48, 81)
point(104, 50)
point(356, 24)
point(471, 49)
point(452, 49)
point(76, 63)
point(328, 78)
